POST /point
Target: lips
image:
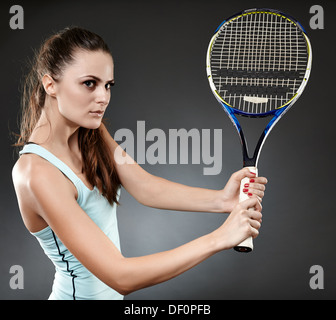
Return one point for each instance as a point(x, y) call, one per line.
point(97, 113)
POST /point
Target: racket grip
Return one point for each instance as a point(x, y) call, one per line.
point(246, 245)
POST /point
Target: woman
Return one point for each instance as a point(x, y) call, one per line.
point(67, 180)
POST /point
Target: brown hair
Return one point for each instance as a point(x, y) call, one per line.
point(55, 53)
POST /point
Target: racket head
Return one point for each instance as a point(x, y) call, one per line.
point(258, 63)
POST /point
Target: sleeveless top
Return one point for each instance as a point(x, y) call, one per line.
point(72, 280)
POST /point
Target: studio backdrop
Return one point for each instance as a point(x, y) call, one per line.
point(161, 91)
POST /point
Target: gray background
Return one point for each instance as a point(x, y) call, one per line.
point(159, 51)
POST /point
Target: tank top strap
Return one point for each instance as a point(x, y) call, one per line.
point(47, 155)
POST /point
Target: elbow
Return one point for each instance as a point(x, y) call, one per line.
point(123, 279)
point(123, 291)
point(123, 288)
point(146, 190)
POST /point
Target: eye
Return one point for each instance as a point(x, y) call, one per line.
point(89, 83)
point(109, 85)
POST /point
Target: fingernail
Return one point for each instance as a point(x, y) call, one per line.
point(253, 172)
point(246, 185)
point(252, 180)
point(245, 190)
point(249, 194)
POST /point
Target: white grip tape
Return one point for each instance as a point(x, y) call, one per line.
point(248, 243)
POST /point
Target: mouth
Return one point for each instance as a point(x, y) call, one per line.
point(97, 113)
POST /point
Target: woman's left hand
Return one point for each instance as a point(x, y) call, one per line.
point(255, 188)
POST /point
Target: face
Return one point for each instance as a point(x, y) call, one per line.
point(83, 92)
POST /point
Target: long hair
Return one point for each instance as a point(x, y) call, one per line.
point(54, 55)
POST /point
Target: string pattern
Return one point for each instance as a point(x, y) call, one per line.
point(258, 61)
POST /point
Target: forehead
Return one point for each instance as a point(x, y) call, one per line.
point(97, 63)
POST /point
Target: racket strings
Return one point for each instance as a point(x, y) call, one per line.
point(258, 61)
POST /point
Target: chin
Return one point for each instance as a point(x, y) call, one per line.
point(92, 125)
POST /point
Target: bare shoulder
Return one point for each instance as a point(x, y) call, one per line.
point(27, 167)
point(32, 171)
point(36, 180)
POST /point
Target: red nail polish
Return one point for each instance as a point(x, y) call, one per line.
point(252, 180)
point(252, 172)
point(245, 190)
point(249, 194)
point(246, 185)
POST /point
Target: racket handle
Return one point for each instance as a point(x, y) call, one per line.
point(246, 245)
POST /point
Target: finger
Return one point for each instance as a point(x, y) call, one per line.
point(254, 189)
point(254, 228)
point(257, 186)
point(254, 232)
point(258, 183)
point(256, 193)
point(260, 180)
point(255, 215)
point(255, 224)
point(244, 173)
point(251, 203)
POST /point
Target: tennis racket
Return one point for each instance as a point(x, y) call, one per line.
point(258, 64)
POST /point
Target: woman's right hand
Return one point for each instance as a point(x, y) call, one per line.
point(244, 221)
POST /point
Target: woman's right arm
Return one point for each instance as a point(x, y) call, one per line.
point(54, 201)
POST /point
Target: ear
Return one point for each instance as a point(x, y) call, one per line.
point(49, 85)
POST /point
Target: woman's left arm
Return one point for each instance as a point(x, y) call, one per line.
point(160, 193)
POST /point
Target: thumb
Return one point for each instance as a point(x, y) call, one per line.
point(244, 173)
point(251, 203)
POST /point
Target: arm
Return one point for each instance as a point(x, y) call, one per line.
point(54, 200)
point(160, 193)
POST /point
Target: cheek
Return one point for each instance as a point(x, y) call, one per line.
point(73, 101)
point(74, 104)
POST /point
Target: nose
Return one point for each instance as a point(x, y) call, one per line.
point(102, 96)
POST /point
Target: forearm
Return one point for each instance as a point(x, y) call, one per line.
point(131, 274)
point(141, 272)
point(160, 193)
point(164, 194)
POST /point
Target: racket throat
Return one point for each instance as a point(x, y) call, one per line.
point(247, 160)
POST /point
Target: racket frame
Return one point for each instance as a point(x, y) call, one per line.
point(277, 113)
point(252, 162)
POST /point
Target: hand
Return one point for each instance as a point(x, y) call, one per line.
point(230, 194)
point(243, 222)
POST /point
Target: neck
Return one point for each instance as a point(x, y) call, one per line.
point(54, 131)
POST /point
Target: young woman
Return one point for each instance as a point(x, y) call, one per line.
point(67, 180)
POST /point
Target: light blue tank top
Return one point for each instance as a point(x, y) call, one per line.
point(72, 280)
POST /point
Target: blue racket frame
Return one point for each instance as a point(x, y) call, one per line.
point(277, 113)
point(247, 160)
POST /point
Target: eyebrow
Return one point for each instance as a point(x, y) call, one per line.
point(98, 79)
